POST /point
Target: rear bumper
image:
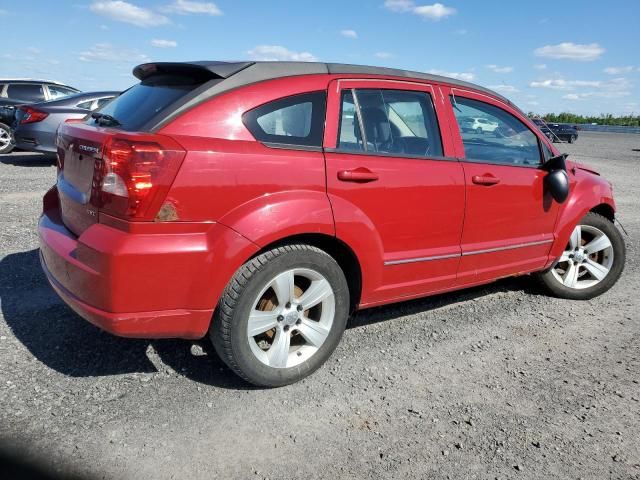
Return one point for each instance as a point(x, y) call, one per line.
point(160, 285)
point(32, 139)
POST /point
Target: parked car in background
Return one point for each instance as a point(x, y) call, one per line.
point(542, 125)
point(34, 126)
point(15, 92)
point(565, 133)
point(263, 202)
point(483, 125)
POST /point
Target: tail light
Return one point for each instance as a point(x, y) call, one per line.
point(32, 115)
point(133, 177)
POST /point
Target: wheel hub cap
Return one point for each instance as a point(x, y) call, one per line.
point(291, 318)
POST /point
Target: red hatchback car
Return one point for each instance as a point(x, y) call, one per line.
point(264, 202)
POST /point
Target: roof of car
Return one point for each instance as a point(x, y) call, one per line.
point(252, 72)
point(33, 80)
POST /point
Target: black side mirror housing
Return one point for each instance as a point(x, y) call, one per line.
point(557, 180)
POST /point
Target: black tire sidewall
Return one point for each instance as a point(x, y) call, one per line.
point(619, 259)
point(254, 370)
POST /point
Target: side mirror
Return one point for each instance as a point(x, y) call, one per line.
point(557, 180)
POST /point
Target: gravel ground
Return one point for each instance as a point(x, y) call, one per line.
point(493, 382)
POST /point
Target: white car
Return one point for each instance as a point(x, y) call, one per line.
point(482, 125)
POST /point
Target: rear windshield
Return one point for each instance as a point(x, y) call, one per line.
point(136, 106)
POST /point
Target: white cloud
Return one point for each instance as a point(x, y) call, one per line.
point(504, 88)
point(349, 33)
point(159, 43)
point(383, 54)
point(499, 69)
point(188, 7)
point(618, 70)
point(121, 11)
point(105, 52)
point(571, 51)
point(466, 76)
point(614, 88)
point(399, 5)
point(435, 12)
point(461, 31)
point(540, 66)
point(599, 94)
point(562, 84)
point(279, 53)
point(104, 27)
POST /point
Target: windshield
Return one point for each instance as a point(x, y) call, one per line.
point(136, 106)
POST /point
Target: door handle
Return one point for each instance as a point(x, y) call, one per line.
point(485, 180)
point(360, 174)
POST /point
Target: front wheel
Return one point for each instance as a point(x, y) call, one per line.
point(592, 262)
point(282, 315)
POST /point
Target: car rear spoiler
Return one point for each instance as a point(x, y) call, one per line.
point(203, 70)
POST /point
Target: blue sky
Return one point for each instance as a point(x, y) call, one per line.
point(547, 56)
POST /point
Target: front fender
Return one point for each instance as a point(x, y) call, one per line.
point(588, 191)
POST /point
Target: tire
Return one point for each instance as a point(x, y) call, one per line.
point(609, 261)
point(572, 139)
point(6, 139)
point(258, 287)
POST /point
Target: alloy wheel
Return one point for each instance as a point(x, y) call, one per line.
point(291, 318)
point(5, 138)
point(587, 259)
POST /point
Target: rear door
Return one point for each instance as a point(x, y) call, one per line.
point(509, 218)
point(390, 167)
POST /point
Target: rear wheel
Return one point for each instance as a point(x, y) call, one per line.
point(592, 262)
point(282, 315)
point(6, 139)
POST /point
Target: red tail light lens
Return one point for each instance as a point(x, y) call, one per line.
point(133, 177)
point(32, 115)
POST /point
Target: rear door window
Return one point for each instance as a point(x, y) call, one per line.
point(134, 108)
point(56, 92)
point(505, 139)
point(28, 92)
point(295, 120)
point(400, 122)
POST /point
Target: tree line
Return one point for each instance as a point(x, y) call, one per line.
point(602, 119)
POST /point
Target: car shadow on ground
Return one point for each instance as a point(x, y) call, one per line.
point(63, 341)
point(27, 159)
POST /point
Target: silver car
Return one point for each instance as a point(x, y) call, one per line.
point(35, 125)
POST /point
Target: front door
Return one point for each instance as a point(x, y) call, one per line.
point(509, 219)
point(393, 182)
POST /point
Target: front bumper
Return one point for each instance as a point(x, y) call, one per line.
point(159, 285)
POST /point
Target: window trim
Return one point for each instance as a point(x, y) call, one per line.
point(321, 119)
point(499, 105)
point(364, 134)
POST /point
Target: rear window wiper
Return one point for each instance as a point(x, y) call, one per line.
point(105, 120)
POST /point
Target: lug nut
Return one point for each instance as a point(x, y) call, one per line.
point(299, 308)
point(286, 328)
point(288, 305)
point(280, 318)
point(299, 321)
